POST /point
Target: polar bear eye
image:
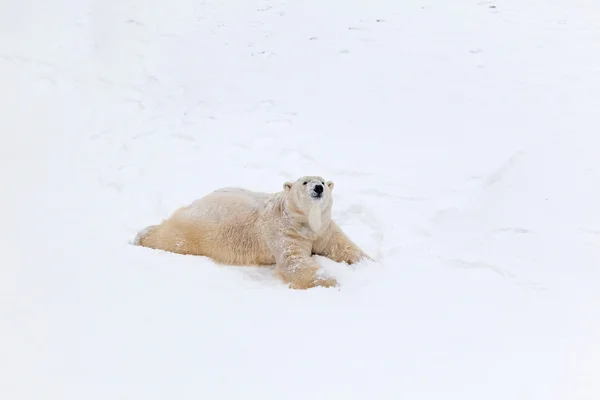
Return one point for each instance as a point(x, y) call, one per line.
point(305, 182)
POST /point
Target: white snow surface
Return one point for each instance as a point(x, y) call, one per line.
point(464, 141)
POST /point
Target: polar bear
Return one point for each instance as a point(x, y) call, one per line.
point(236, 226)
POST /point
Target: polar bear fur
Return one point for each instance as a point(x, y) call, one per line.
point(236, 226)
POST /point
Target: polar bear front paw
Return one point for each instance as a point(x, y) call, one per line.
point(322, 282)
point(306, 277)
point(356, 257)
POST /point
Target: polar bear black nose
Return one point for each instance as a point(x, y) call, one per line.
point(319, 189)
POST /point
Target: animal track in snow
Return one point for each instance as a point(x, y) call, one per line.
point(182, 136)
point(516, 231)
point(143, 134)
point(280, 119)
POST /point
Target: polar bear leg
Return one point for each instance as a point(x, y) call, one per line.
point(172, 237)
point(338, 247)
point(296, 267)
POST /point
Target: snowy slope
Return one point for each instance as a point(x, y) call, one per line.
point(464, 142)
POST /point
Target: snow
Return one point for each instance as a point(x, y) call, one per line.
point(463, 141)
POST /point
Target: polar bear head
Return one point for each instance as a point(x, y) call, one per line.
point(309, 198)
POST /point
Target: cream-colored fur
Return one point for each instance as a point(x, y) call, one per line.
point(240, 227)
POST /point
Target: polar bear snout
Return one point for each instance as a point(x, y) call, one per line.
point(316, 189)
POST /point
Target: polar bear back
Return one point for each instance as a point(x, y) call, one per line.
point(223, 205)
point(227, 225)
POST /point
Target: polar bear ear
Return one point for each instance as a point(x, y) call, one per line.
point(330, 185)
point(287, 186)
